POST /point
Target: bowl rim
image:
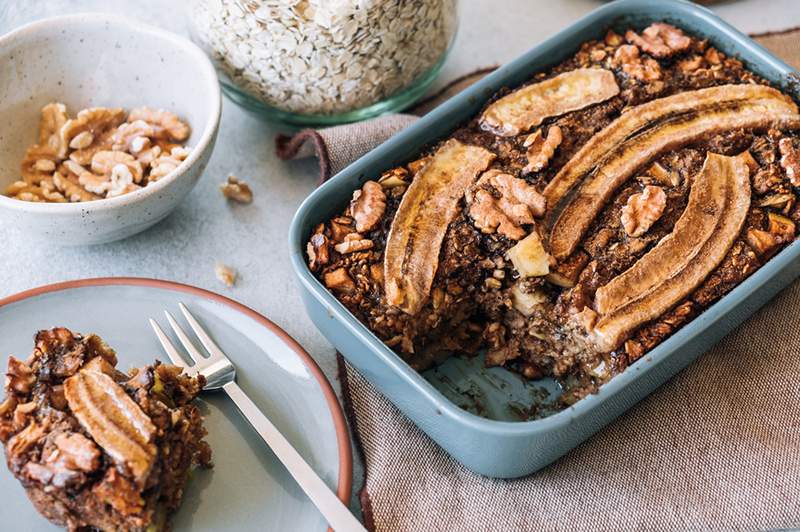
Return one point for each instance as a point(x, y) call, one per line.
point(209, 129)
point(715, 313)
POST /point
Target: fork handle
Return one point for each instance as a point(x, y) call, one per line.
point(332, 509)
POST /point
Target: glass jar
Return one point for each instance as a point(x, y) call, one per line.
point(318, 62)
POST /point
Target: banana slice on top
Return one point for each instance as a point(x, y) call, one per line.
point(529, 106)
point(426, 210)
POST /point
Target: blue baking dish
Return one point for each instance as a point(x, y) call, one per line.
point(497, 447)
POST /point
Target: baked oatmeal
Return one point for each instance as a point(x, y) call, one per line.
point(96, 448)
point(579, 220)
point(101, 152)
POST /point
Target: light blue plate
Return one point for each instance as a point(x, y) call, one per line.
point(248, 489)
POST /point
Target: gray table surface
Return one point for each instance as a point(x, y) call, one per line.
point(252, 238)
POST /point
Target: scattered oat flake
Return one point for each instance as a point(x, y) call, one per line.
point(225, 274)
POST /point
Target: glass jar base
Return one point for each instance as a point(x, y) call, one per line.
point(397, 102)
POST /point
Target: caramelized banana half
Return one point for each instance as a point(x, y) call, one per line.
point(113, 420)
point(680, 262)
point(639, 118)
point(529, 106)
point(426, 210)
point(570, 219)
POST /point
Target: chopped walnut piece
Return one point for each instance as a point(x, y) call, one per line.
point(148, 155)
point(783, 202)
point(339, 280)
point(122, 181)
point(166, 124)
point(9, 404)
point(541, 149)
point(586, 318)
point(690, 64)
point(105, 162)
point(643, 209)
point(236, 190)
point(19, 376)
point(225, 274)
point(352, 243)
point(44, 165)
point(713, 56)
point(597, 55)
point(37, 164)
point(629, 59)
point(763, 243)
point(517, 204)
point(72, 190)
point(613, 38)
point(660, 40)
point(318, 249)
point(82, 159)
point(367, 206)
point(96, 121)
point(119, 492)
point(180, 152)
point(166, 164)
point(76, 452)
point(163, 166)
point(133, 136)
point(82, 140)
point(83, 156)
point(781, 227)
point(790, 160)
point(341, 227)
point(396, 177)
point(97, 184)
point(25, 439)
point(25, 191)
point(50, 192)
point(54, 116)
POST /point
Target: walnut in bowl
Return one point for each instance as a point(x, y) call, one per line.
point(86, 176)
point(99, 153)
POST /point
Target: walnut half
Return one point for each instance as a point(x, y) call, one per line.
point(318, 249)
point(19, 376)
point(503, 203)
point(790, 160)
point(236, 190)
point(352, 243)
point(368, 205)
point(660, 40)
point(629, 59)
point(541, 149)
point(643, 210)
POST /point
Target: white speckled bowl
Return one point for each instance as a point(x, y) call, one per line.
point(89, 60)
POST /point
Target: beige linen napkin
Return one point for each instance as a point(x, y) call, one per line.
point(336, 147)
point(716, 448)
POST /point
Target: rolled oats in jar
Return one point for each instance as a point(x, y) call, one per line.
point(325, 57)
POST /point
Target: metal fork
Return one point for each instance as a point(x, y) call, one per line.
point(220, 373)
